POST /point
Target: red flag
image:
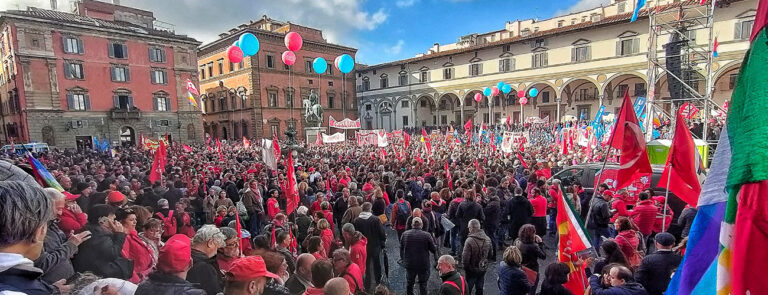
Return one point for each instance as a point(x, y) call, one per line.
point(406, 139)
point(509, 123)
point(681, 163)
point(186, 148)
point(418, 158)
point(448, 176)
point(522, 161)
point(246, 143)
point(383, 154)
point(292, 192)
point(424, 133)
point(468, 127)
point(750, 238)
point(276, 146)
point(158, 165)
point(239, 230)
point(628, 137)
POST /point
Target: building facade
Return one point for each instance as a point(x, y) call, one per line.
point(104, 71)
point(577, 62)
point(261, 96)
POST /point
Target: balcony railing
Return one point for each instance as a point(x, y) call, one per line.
point(125, 114)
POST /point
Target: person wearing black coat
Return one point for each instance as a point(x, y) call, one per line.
point(370, 226)
point(656, 269)
point(556, 275)
point(468, 210)
point(531, 249)
point(205, 270)
point(163, 283)
point(453, 282)
point(519, 212)
point(415, 246)
point(492, 212)
point(621, 283)
point(102, 253)
point(232, 191)
point(512, 279)
point(173, 194)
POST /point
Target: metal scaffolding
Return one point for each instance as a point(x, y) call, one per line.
point(681, 25)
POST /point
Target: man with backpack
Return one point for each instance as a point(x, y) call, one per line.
point(475, 256)
point(400, 213)
point(453, 282)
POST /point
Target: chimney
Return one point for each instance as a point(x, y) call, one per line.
point(116, 2)
point(437, 47)
point(53, 5)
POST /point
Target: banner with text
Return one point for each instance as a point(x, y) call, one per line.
point(334, 138)
point(343, 124)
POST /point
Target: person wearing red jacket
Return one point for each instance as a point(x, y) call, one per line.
point(356, 244)
point(316, 204)
point(326, 235)
point(134, 248)
point(348, 270)
point(72, 218)
point(555, 195)
point(273, 207)
point(644, 214)
point(539, 219)
point(619, 205)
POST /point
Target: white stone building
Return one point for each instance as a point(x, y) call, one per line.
point(577, 62)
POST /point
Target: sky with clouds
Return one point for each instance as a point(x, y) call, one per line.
point(382, 30)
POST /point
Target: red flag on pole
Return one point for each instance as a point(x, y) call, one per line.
point(158, 165)
point(239, 230)
point(522, 161)
point(292, 192)
point(276, 146)
point(627, 136)
point(468, 127)
point(681, 163)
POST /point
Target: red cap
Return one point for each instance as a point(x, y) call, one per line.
point(175, 255)
point(248, 268)
point(115, 197)
point(608, 193)
point(70, 196)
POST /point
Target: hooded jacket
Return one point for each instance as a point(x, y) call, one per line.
point(20, 275)
point(371, 227)
point(358, 250)
point(644, 216)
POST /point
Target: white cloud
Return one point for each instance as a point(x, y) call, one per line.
point(581, 5)
point(395, 49)
point(405, 3)
point(339, 20)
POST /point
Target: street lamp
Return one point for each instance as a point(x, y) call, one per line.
point(292, 145)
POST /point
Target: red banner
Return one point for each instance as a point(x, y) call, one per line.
point(343, 124)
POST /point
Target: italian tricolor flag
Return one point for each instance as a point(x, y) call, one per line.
point(572, 239)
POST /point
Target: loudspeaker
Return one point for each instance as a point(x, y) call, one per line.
point(673, 63)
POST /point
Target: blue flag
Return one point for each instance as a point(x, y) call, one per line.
point(640, 4)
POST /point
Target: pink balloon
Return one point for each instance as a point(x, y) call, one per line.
point(293, 41)
point(336, 62)
point(235, 54)
point(521, 93)
point(289, 58)
point(478, 97)
point(494, 91)
point(523, 100)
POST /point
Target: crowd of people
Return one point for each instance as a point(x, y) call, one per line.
point(219, 222)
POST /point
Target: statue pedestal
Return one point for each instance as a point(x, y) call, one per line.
point(311, 133)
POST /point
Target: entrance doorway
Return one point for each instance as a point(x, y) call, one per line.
point(84, 142)
point(127, 137)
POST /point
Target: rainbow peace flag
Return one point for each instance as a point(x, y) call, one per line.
point(43, 176)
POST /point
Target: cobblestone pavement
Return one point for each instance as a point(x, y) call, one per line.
point(397, 273)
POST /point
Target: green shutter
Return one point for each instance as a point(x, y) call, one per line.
point(111, 49)
point(70, 101)
point(87, 101)
point(168, 104)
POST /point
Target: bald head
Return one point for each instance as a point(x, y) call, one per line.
point(304, 265)
point(336, 286)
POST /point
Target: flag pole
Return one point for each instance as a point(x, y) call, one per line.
point(605, 161)
point(666, 199)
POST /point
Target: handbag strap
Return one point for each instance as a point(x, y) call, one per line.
point(456, 286)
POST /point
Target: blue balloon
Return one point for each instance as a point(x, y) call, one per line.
point(533, 92)
point(500, 85)
point(236, 43)
point(506, 88)
point(346, 63)
point(320, 65)
point(249, 44)
point(487, 91)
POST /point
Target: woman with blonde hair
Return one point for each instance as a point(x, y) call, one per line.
point(326, 234)
point(512, 279)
